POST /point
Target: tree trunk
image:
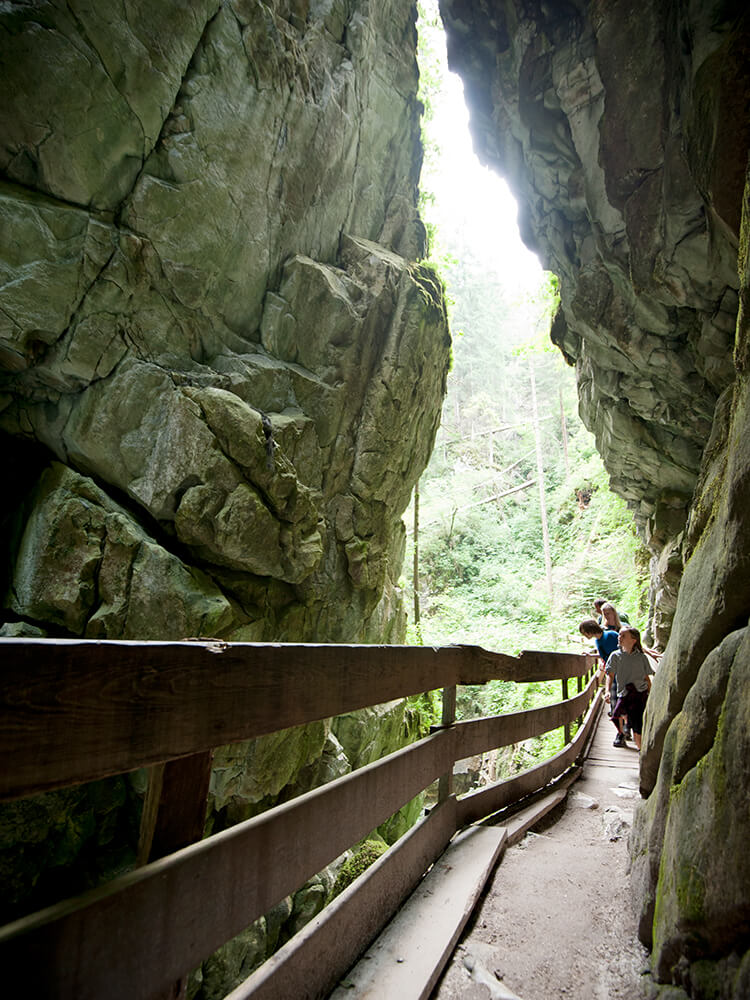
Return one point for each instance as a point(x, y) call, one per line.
point(540, 478)
point(564, 429)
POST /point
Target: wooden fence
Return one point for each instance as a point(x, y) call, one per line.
point(73, 711)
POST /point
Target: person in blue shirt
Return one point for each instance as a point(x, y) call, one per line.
point(606, 641)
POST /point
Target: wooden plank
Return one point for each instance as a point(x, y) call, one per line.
point(137, 935)
point(480, 666)
point(566, 728)
point(410, 954)
point(485, 801)
point(602, 754)
point(448, 718)
point(174, 812)
point(72, 711)
point(149, 814)
point(312, 963)
point(76, 710)
point(519, 824)
point(480, 735)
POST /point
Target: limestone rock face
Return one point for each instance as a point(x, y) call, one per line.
point(221, 366)
point(210, 305)
point(691, 871)
point(106, 569)
point(624, 129)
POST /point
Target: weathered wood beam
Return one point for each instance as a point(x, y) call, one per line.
point(174, 815)
point(137, 935)
point(77, 710)
point(480, 735)
point(174, 811)
point(480, 666)
point(312, 963)
point(485, 801)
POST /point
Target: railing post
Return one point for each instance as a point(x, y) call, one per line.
point(566, 727)
point(174, 813)
point(579, 688)
point(445, 783)
point(174, 810)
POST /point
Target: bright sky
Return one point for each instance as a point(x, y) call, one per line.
point(471, 199)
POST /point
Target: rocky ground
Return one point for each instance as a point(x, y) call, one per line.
point(556, 921)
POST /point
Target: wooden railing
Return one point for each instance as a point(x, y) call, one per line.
point(73, 711)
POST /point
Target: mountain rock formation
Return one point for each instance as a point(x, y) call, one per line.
point(624, 129)
point(211, 311)
point(221, 364)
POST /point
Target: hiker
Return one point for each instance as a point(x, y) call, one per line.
point(611, 618)
point(614, 620)
point(630, 668)
point(606, 641)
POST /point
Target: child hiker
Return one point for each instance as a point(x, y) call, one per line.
point(630, 668)
point(606, 641)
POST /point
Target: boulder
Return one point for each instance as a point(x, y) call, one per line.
point(211, 304)
point(84, 565)
point(221, 366)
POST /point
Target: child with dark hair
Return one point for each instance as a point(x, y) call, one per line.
point(630, 669)
point(605, 639)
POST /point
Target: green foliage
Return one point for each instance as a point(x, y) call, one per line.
point(431, 81)
point(422, 711)
point(367, 855)
point(482, 567)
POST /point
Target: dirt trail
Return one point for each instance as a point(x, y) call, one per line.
point(556, 921)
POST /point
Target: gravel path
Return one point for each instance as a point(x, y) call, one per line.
point(556, 921)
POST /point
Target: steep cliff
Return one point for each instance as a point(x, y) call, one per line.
point(624, 129)
point(221, 364)
point(211, 311)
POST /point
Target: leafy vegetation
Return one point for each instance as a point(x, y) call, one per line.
point(482, 577)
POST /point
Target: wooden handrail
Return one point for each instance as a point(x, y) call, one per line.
point(176, 911)
point(479, 735)
point(313, 961)
point(74, 710)
point(318, 956)
point(483, 802)
point(77, 710)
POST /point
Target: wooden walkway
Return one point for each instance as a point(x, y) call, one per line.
point(607, 761)
point(75, 710)
point(411, 953)
point(556, 920)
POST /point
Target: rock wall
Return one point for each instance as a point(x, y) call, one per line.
point(690, 863)
point(211, 316)
point(221, 365)
point(617, 127)
point(624, 129)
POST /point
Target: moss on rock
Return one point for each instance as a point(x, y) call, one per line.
point(366, 855)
